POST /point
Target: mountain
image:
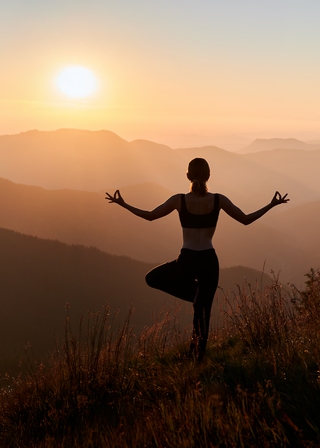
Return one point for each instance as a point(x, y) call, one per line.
point(245, 177)
point(228, 142)
point(77, 217)
point(39, 277)
point(291, 169)
point(277, 143)
point(95, 161)
point(82, 160)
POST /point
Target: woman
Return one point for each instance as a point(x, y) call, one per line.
point(194, 275)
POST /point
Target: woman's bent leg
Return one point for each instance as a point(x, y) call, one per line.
point(172, 279)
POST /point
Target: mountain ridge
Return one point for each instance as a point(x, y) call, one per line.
point(94, 160)
point(259, 145)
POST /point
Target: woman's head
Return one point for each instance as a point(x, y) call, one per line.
point(198, 174)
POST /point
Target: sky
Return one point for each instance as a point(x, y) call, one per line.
point(164, 69)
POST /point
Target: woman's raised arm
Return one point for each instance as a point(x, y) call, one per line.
point(237, 214)
point(173, 203)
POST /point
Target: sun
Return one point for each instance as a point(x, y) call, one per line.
point(76, 81)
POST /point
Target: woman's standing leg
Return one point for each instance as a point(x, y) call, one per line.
point(208, 277)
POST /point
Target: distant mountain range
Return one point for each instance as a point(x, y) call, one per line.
point(279, 143)
point(95, 161)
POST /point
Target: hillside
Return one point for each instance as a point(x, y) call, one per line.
point(257, 385)
point(39, 277)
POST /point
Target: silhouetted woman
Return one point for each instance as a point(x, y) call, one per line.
point(194, 275)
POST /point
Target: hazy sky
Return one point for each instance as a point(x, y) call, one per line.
point(207, 67)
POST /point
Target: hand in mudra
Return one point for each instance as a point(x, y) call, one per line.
point(278, 199)
point(117, 198)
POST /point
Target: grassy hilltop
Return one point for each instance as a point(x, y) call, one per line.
point(258, 386)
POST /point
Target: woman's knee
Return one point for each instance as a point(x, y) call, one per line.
point(151, 279)
point(160, 275)
point(148, 279)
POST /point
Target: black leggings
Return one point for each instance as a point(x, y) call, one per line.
point(193, 277)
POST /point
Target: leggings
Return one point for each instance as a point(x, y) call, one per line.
point(193, 277)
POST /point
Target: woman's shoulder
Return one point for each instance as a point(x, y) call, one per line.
point(175, 199)
point(224, 201)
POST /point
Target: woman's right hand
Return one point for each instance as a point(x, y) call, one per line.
point(116, 198)
point(278, 199)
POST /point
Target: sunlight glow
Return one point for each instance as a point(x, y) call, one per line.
point(76, 82)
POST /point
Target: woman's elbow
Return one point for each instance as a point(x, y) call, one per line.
point(245, 220)
point(150, 217)
point(241, 220)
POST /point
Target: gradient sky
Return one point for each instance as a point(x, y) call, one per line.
point(207, 67)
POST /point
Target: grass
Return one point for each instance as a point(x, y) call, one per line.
point(103, 386)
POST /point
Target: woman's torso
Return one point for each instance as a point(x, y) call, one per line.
point(196, 234)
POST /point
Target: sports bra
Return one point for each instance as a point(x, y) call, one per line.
point(195, 221)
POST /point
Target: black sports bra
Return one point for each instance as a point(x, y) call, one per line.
point(195, 221)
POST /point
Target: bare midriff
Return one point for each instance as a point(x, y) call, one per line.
point(197, 239)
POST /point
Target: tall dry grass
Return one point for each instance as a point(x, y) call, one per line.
point(104, 386)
